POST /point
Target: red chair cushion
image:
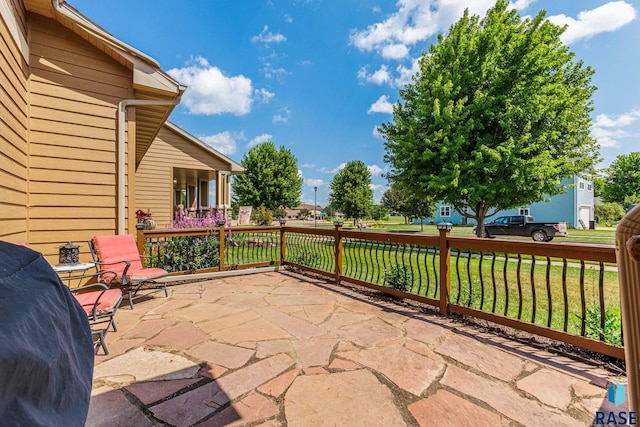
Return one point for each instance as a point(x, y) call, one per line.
point(108, 302)
point(144, 274)
point(117, 248)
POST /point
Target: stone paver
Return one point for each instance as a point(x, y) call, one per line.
point(252, 408)
point(408, 370)
point(110, 407)
point(279, 349)
point(477, 355)
point(153, 391)
point(501, 397)
point(334, 399)
point(558, 392)
point(446, 409)
point(221, 354)
point(145, 365)
point(181, 336)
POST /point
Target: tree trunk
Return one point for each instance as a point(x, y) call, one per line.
point(480, 215)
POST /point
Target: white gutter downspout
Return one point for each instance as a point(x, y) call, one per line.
point(122, 111)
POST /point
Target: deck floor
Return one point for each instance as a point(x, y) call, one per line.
point(279, 348)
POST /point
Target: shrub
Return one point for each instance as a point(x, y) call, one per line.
point(304, 256)
point(262, 216)
point(611, 330)
point(399, 277)
point(608, 213)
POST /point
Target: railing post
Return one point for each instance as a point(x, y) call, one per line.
point(444, 229)
point(221, 249)
point(140, 238)
point(338, 250)
point(627, 247)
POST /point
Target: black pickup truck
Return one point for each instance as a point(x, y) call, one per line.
point(523, 225)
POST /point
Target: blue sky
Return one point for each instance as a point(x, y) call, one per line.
point(318, 76)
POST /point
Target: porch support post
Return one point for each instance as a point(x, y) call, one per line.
point(628, 259)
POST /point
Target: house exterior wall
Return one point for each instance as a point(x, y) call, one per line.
point(154, 176)
point(74, 92)
point(560, 208)
point(13, 123)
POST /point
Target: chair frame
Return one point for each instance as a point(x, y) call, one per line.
point(94, 315)
point(130, 286)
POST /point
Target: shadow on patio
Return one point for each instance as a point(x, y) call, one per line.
point(280, 348)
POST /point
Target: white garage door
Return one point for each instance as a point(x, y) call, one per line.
point(585, 216)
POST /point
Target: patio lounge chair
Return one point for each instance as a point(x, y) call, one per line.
point(100, 303)
point(119, 253)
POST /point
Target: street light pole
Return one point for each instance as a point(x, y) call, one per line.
point(315, 206)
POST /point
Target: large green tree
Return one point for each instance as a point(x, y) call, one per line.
point(407, 203)
point(496, 117)
point(270, 179)
point(623, 179)
point(350, 191)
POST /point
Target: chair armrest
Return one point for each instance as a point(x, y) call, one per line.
point(103, 278)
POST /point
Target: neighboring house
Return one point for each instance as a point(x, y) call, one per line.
point(163, 186)
point(80, 111)
point(313, 211)
point(572, 206)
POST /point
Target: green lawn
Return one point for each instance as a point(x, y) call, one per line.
point(396, 225)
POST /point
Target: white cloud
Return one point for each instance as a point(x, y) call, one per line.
point(268, 37)
point(271, 72)
point(260, 139)
point(394, 51)
point(405, 74)
point(608, 130)
point(308, 165)
point(376, 170)
point(625, 119)
point(608, 17)
point(288, 18)
point(282, 118)
point(382, 105)
point(382, 75)
point(224, 142)
point(263, 96)
point(376, 133)
point(314, 182)
point(377, 187)
point(415, 21)
point(334, 170)
point(378, 77)
point(211, 92)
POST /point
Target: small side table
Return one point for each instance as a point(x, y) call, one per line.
point(72, 270)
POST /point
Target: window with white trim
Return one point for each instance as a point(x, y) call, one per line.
point(523, 211)
point(589, 187)
point(581, 185)
point(445, 211)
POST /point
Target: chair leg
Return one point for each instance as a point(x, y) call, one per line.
point(166, 294)
point(101, 341)
point(131, 299)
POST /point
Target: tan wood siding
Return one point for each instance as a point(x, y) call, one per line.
point(13, 131)
point(154, 180)
point(20, 14)
point(75, 90)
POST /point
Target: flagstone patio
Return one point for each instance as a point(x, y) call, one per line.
point(279, 348)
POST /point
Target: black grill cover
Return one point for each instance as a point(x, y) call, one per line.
point(46, 349)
